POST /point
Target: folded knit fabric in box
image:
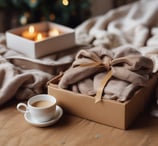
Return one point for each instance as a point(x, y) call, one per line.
point(113, 74)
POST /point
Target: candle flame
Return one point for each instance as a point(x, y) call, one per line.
point(31, 29)
point(39, 37)
point(54, 32)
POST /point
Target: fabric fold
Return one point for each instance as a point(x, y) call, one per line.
point(22, 77)
point(128, 24)
point(132, 69)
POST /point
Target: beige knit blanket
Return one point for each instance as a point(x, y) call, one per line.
point(22, 77)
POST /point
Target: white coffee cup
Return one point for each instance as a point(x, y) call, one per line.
point(42, 107)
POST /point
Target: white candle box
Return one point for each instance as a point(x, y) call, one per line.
point(37, 49)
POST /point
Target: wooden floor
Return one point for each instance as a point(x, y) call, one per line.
point(74, 131)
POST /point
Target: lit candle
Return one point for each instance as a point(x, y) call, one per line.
point(40, 37)
point(54, 32)
point(30, 33)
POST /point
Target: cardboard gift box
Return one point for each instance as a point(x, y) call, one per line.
point(36, 49)
point(108, 112)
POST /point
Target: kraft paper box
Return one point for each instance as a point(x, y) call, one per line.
point(108, 112)
point(36, 49)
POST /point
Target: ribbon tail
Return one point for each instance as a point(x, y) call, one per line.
point(101, 87)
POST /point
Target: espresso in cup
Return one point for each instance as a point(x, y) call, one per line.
point(42, 107)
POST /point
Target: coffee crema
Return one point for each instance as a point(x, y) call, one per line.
point(42, 103)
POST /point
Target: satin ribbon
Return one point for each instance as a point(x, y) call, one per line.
point(108, 64)
point(86, 59)
point(98, 63)
point(102, 85)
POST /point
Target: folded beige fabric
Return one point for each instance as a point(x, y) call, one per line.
point(84, 87)
point(75, 73)
point(22, 77)
point(115, 89)
point(129, 72)
point(152, 53)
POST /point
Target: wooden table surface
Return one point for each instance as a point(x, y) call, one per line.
point(74, 131)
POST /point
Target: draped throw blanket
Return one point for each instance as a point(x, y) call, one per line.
point(130, 24)
point(135, 24)
point(22, 77)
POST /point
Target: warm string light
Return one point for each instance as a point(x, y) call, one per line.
point(24, 18)
point(65, 2)
point(33, 1)
point(52, 17)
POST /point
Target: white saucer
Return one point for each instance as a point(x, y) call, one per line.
point(30, 120)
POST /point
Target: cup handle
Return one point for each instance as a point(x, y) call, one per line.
point(19, 107)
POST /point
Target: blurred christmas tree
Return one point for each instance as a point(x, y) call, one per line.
point(67, 12)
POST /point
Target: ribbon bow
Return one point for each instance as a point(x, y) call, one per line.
point(97, 62)
point(132, 61)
